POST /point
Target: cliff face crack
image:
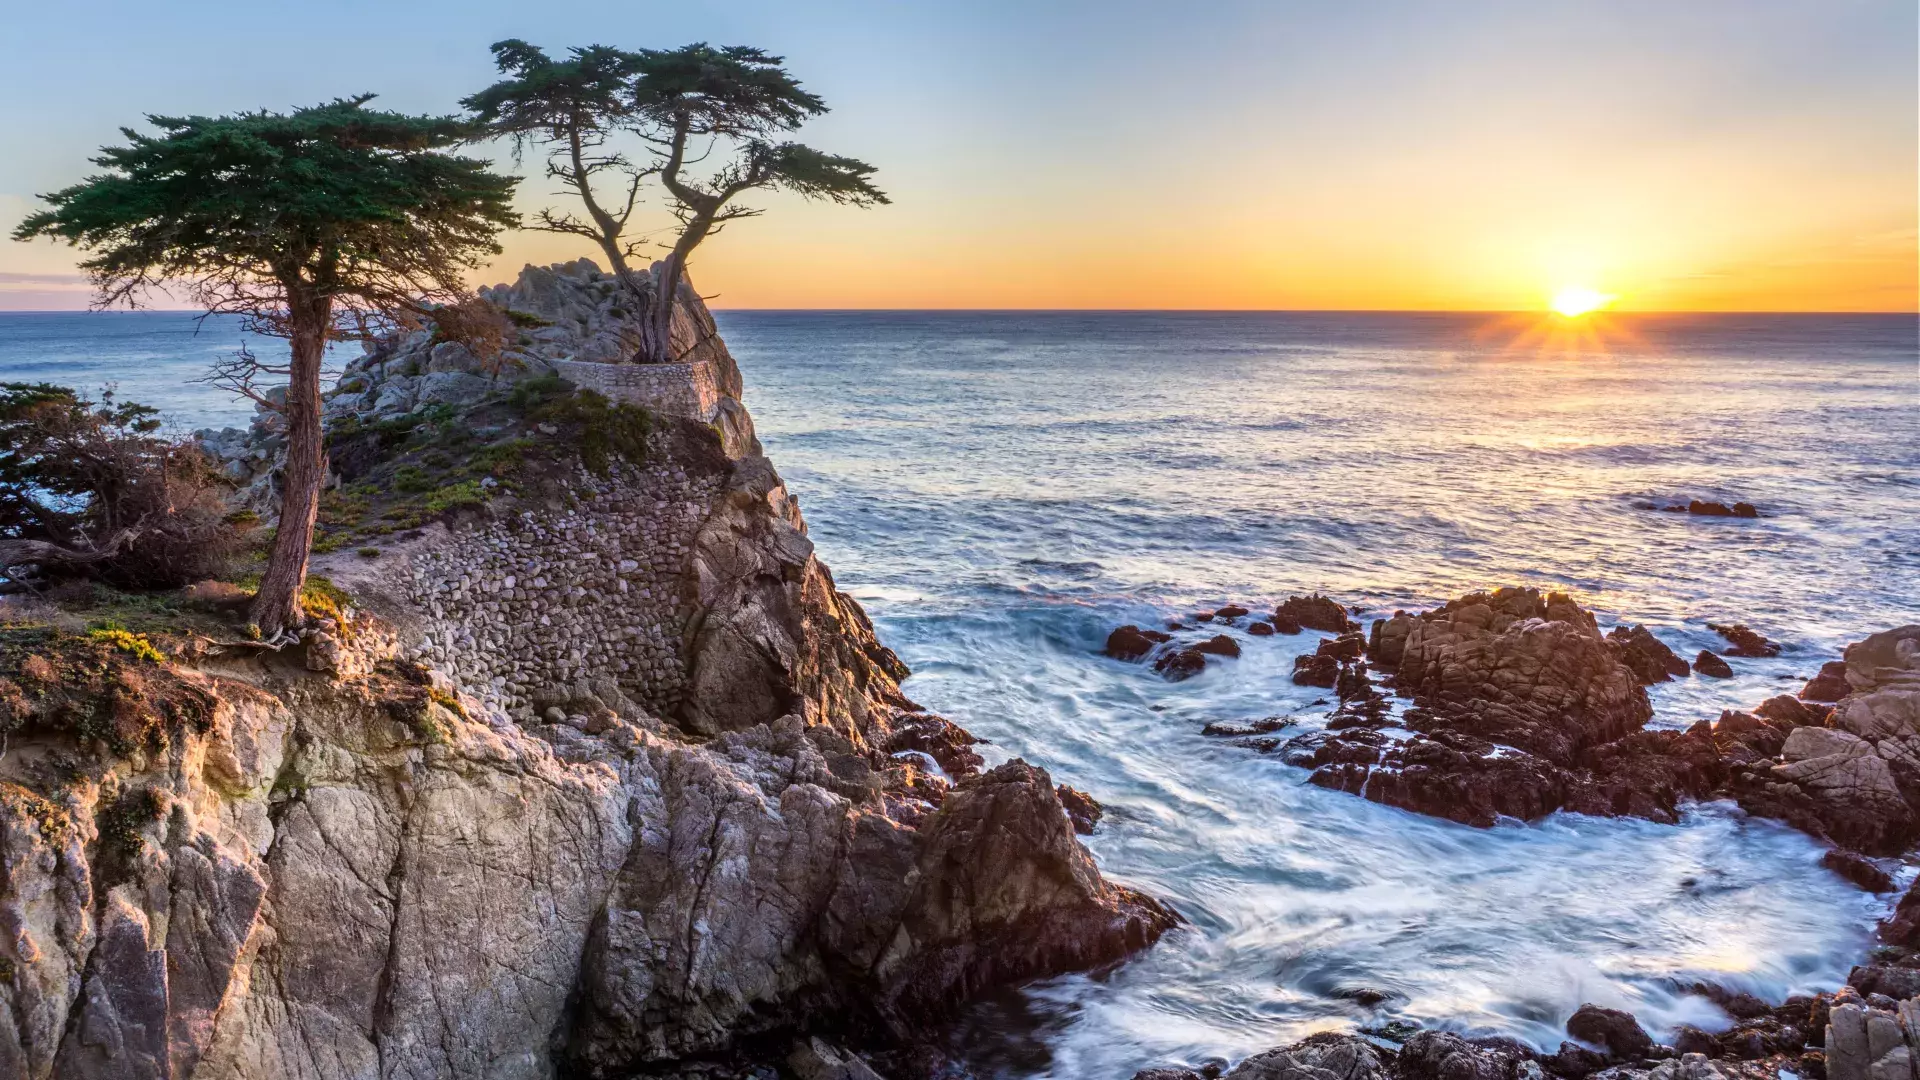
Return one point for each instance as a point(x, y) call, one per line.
point(383, 1004)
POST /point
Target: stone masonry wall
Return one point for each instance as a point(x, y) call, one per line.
point(536, 599)
point(669, 389)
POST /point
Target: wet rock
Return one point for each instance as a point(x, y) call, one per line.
point(1792, 712)
point(1004, 893)
point(1528, 671)
point(1440, 1055)
point(1180, 664)
point(1230, 613)
point(1852, 789)
point(1241, 728)
point(1316, 669)
point(1326, 1056)
point(1260, 629)
point(815, 1059)
point(1618, 1031)
point(1828, 686)
point(1314, 612)
point(1744, 641)
point(1348, 646)
point(1220, 645)
point(1902, 928)
point(1284, 623)
point(1898, 983)
point(1692, 1040)
point(1648, 656)
point(1080, 807)
point(1710, 663)
point(1365, 996)
point(1857, 869)
point(1132, 643)
point(1387, 641)
point(1717, 509)
point(1574, 1062)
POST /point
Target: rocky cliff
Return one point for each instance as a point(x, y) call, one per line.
point(604, 776)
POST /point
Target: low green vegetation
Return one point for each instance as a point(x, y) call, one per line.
point(403, 473)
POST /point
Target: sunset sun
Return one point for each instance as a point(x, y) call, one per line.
point(1577, 300)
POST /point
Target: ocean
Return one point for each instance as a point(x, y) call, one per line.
point(1002, 489)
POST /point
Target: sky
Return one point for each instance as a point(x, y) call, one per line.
point(1379, 154)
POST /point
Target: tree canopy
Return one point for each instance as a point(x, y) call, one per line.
point(309, 225)
point(358, 206)
point(687, 106)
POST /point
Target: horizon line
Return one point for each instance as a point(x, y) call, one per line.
point(1914, 313)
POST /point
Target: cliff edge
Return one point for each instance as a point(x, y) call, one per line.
point(595, 773)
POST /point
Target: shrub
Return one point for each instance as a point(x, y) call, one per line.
point(89, 488)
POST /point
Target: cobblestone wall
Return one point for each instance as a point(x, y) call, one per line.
point(673, 389)
point(589, 588)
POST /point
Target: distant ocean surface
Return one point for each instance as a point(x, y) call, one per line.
point(1001, 489)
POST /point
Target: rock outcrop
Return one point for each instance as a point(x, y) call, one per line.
point(602, 777)
point(1520, 707)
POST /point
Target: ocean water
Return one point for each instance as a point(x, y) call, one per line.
point(1001, 489)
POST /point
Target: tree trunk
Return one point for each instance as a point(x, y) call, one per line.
point(276, 607)
point(656, 338)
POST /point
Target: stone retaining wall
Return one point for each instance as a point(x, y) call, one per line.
point(536, 600)
point(671, 389)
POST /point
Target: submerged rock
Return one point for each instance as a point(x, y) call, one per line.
point(1744, 641)
point(1710, 664)
point(1132, 643)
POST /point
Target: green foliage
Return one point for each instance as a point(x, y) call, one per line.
point(99, 492)
point(337, 202)
point(600, 430)
point(465, 495)
point(686, 105)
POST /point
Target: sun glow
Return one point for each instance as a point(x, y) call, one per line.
point(1576, 300)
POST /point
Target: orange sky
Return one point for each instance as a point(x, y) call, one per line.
point(1713, 156)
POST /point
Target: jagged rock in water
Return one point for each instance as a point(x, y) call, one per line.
point(1744, 641)
point(1130, 642)
point(1314, 612)
point(1522, 670)
point(1648, 656)
point(1830, 685)
point(1710, 663)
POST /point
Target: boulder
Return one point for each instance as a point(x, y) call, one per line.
point(1180, 664)
point(1219, 645)
point(1230, 613)
point(1710, 664)
point(1314, 612)
point(1617, 1031)
point(1857, 869)
point(1132, 643)
point(1316, 669)
point(456, 388)
point(1828, 686)
point(1284, 623)
point(1648, 656)
point(1260, 629)
point(1517, 668)
point(1081, 809)
point(1744, 641)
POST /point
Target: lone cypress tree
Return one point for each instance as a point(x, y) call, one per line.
point(314, 226)
point(686, 105)
point(733, 97)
